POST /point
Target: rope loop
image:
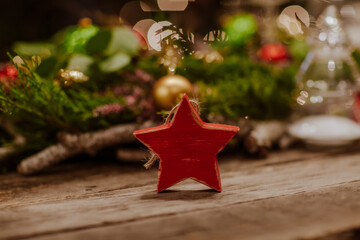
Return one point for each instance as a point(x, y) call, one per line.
point(153, 158)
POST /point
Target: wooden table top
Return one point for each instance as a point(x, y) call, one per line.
point(294, 194)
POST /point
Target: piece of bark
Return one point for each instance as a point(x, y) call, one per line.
point(130, 155)
point(6, 151)
point(263, 137)
point(73, 144)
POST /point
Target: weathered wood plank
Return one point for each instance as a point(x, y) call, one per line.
point(73, 181)
point(305, 215)
point(68, 206)
point(81, 179)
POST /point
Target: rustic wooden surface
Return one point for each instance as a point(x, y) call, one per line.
point(293, 194)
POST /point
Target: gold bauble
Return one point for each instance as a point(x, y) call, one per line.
point(169, 90)
point(68, 77)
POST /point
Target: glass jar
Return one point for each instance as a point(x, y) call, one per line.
point(326, 81)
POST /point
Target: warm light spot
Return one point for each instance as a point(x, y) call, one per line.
point(333, 38)
point(290, 17)
point(172, 67)
point(316, 99)
point(297, 12)
point(149, 5)
point(304, 94)
point(331, 20)
point(85, 22)
point(199, 54)
point(155, 34)
point(172, 5)
point(300, 101)
point(310, 83)
point(322, 36)
point(163, 5)
point(321, 84)
point(143, 27)
point(331, 65)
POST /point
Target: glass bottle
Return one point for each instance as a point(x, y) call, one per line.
point(327, 81)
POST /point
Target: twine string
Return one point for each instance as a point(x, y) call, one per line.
point(153, 157)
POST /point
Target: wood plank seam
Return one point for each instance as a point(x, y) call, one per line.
point(110, 223)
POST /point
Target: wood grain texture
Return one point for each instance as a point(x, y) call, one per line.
point(303, 215)
point(291, 195)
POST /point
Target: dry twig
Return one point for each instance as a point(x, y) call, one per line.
point(72, 144)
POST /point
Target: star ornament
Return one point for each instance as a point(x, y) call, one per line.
point(187, 147)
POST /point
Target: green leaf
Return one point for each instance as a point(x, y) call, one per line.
point(122, 40)
point(34, 49)
point(115, 63)
point(240, 28)
point(77, 37)
point(80, 63)
point(99, 42)
point(47, 66)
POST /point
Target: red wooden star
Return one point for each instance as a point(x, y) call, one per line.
point(187, 147)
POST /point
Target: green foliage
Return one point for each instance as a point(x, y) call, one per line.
point(41, 108)
point(238, 87)
point(115, 62)
point(240, 28)
point(34, 49)
point(122, 40)
point(99, 42)
point(42, 104)
point(89, 49)
point(76, 38)
point(150, 64)
point(356, 57)
point(47, 66)
point(298, 48)
point(80, 62)
point(242, 85)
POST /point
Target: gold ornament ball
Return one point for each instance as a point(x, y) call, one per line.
point(169, 90)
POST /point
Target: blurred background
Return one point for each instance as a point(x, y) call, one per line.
point(22, 20)
point(251, 63)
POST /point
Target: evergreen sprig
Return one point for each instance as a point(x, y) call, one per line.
point(238, 87)
point(39, 108)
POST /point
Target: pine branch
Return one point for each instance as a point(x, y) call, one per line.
point(180, 38)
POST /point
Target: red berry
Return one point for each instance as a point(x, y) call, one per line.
point(273, 52)
point(9, 71)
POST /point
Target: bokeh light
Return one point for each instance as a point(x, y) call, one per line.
point(142, 27)
point(290, 18)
